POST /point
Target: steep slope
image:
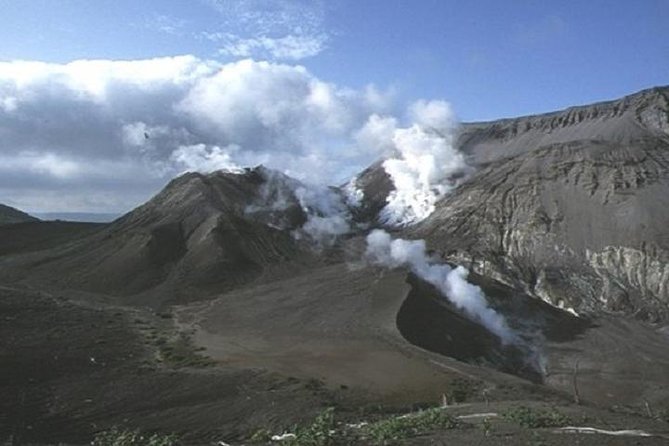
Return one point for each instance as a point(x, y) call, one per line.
point(10, 215)
point(201, 233)
point(569, 206)
point(624, 121)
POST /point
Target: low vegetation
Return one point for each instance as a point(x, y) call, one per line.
point(325, 431)
point(179, 351)
point(462, 389)
point(321, 432)
point(123, 437)
point(391, 430)
point(534, 418)
point(663, 415)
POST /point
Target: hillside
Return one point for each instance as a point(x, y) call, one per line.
point(210, 312)
point(9, 215)
point(201, 234)
point(568, 206)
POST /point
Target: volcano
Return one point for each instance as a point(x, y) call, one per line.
point(208, 311)
point(568, 206)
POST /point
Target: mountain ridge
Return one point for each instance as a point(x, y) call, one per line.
point(10, 215)
point(565, 237)
point(636, 116)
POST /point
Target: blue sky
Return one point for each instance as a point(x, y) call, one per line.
point(489, 59)
point(104, 101)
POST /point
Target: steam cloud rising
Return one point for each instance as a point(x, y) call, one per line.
point(451, 282)
point(424, 165)
point(327, 211)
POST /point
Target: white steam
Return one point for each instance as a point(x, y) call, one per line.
point(326, 209)
point(451, 282)
point(353, 195)
point(328, 217)
point(424, 164)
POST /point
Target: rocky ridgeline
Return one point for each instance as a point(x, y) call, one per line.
point(570, 207)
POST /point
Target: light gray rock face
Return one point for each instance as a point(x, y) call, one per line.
point(572, 207)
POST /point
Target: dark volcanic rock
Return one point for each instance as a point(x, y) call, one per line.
point(201, 234)
point(570, 206)
point(10, 215)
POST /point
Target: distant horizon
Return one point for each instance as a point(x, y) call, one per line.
point(87, 217)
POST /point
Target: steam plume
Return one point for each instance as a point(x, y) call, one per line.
point(425, 165)
point(451, 282)
point(326, 209)
point(327, 215)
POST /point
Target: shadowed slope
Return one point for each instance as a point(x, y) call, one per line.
point(201, 233)
point(9, 215)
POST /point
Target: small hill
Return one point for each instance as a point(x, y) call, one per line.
point(10, 215)
point(203, 233)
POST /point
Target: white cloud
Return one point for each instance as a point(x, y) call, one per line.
point(378, 132)
point(288, 30)
point(201, 158)
point(90, 122)
point(104, 124)
point(266, 17)
point(165, 24)
point(48, 164)
point(435, 115)
point(288, 47)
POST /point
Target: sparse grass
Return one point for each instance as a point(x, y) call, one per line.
point(534, 418)
point(391, 430)
point(325, 431)
point(486, 426)
point(461, 389)
point(321, 432)
point(261, 436)
point(179, 351)
point(123, 437)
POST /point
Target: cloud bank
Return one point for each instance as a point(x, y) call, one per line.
point(101, 135)
point(108, 134)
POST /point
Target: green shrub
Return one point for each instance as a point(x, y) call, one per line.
point(461, 389)
point(321, 432)
point(261, 436)
point(124, 437)
point(532, 418)
point(397, 428)
point(180, 352)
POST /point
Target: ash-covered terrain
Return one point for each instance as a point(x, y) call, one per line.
point(10, 215)
point(528, 276)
